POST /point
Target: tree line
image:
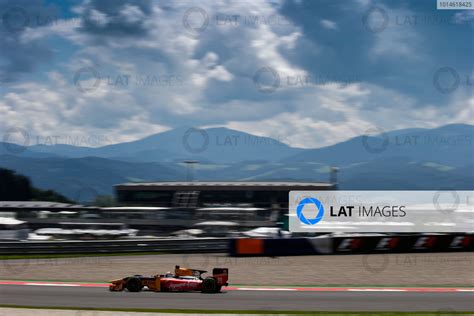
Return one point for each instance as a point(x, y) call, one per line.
point(17, 187)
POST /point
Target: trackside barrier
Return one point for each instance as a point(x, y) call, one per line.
point(404, 243)
point(352, 245)
point(202, 245)
point(280, 246)
point(255, 246)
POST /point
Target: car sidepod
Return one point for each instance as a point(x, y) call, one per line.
point(180, 285)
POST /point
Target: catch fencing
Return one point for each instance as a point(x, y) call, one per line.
point(198, 245)
point(322, 245)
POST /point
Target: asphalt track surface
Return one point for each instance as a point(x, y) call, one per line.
point(99, 297)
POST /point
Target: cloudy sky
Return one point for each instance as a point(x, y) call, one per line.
point(311, 73)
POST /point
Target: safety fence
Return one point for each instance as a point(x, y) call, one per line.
point(322, 245)
point(201, 245)
point(356, 244)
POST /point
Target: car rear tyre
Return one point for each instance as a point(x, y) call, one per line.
point(209, 285)
point(134, 285)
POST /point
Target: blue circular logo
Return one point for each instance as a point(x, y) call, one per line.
point(310, 221)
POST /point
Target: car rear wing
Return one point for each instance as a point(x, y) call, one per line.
point(221, 275)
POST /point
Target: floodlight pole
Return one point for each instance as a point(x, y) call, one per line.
point(190, 169)
point(333, 176)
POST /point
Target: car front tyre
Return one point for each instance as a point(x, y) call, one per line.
point(134, 285)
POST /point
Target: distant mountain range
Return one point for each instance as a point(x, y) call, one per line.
point(216, 145)
point(407, 159)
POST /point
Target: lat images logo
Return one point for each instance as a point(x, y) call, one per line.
point(310, 221)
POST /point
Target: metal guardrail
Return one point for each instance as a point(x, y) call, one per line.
point(201, 245)
point(337, 245)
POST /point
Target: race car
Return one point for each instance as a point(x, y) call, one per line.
point(182, 280)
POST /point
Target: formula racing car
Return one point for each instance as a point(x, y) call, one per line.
point(182, 280)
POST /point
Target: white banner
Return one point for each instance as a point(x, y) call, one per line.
point(381, 211)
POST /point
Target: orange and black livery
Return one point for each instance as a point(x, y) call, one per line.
point(182, 280)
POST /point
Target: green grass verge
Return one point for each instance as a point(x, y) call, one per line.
point(201, 311)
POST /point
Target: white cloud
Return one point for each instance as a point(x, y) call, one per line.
point(98, 18)
point(132, 14)
point(395, 39)
point(363, 3)
point(328, 24)
point(326, 115)
point(206, 79)
point(464, 17)
point(166, 51)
